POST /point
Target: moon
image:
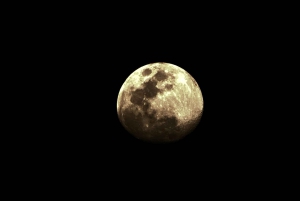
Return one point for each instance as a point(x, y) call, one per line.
point(160, 103)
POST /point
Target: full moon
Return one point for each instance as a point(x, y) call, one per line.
point(160, 103)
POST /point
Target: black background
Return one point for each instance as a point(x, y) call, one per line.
point(71, 61)
point(89, 68)
point(84, 58)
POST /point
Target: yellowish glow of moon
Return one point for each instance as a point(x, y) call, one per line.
point(163, 91)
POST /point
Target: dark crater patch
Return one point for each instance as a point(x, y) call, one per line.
point(165, 129)
point(150, 89)
point(161, 75)
point(158, 130)
point(162, 130)
point(167, 122)
point(169, 86)
point(137, 97)
point(132, 121)
point(151, 117)
point(146, 72)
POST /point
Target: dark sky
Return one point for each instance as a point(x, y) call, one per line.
point(86, 67)
point(89, 76)
point(78, 59)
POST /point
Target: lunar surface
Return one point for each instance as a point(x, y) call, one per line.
point(160, 103)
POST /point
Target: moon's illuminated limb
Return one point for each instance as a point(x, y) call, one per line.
point(160, 93)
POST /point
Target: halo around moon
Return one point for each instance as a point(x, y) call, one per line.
point(160, 103)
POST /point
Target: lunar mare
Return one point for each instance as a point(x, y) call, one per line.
point(160, 103)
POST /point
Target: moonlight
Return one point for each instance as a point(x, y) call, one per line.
point(160, 103)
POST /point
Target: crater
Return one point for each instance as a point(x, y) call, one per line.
point(132, 121)
point(168, 122)
point(146, 72)
point(137, 97)
point(161, 75)
point(169, 86)
point(165, 127)
point(158, 130)
point(150, 89)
